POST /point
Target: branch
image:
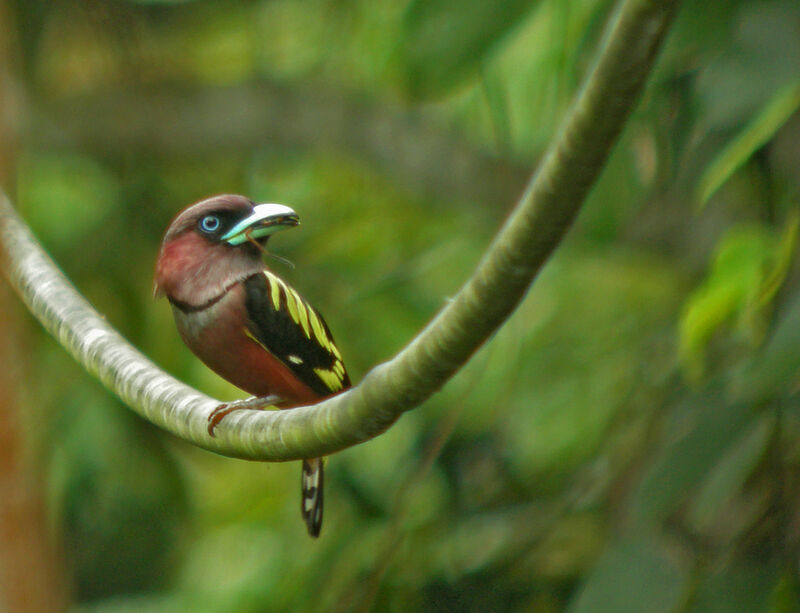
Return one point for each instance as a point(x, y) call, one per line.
point(538, 223)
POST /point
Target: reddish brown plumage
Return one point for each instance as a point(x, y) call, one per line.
point(208, 280)
point(190, 268)
point(226, 348)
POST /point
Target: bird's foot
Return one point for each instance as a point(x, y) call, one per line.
point(254, 403)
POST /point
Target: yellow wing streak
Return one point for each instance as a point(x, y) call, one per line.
point(329, 378)
point(319, 331)
point(302, 313)
point(274, 290)
point(294, 304)
point(335, 351)
point(291, 303)
point(252, 337)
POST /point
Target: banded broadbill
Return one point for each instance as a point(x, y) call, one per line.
point(242, 320)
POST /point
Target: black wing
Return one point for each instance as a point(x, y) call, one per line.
point(291, 330)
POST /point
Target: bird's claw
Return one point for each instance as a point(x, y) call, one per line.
point(218, 414)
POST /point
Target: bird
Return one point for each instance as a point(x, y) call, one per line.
point(243, 321)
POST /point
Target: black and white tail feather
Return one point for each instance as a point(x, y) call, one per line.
point(290, 329)
point(312, 484)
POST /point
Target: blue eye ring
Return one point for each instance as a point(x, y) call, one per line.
point(210, 223)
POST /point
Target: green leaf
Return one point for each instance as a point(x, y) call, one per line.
point(633, 577)
point(684, 464)
point(444, 42)
point(737, 589)
point(752, 137)
point(731, 472)
point(749, 267)
point(774, 370)
point(783, 255)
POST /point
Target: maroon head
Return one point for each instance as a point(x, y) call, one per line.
point(213, 245)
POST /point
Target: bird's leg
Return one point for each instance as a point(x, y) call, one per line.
point(254, 403)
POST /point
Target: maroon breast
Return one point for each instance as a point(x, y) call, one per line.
point(218, 336)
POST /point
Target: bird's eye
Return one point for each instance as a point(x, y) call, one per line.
point(209, 223)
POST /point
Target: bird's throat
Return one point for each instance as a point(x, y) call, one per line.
point(196, 308)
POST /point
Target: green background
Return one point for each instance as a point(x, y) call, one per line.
point(627, 442)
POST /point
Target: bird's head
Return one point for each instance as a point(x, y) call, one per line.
point(215, 243)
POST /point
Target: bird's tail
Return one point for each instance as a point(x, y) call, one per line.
point(312, 489)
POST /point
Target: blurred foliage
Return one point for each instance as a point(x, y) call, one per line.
point(444, 42)
point(628, 441)
point(749, 268)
